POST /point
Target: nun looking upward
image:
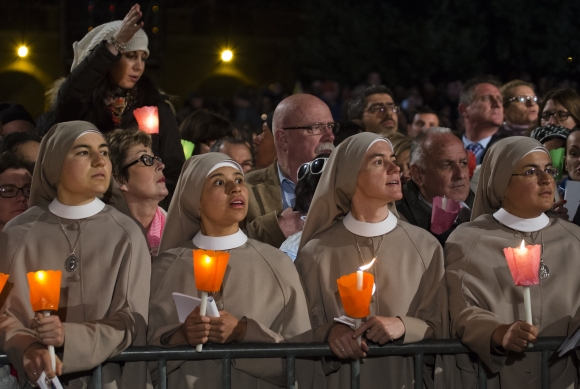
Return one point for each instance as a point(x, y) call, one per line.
point(101, 253)
point(515, 192)
point(352, 219)
point(261, 299)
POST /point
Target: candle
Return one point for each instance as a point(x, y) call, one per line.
point(44, 296)
point(209, 268)
point(557, 195)
point(148, 119)
point(524, 265)
point(444, 203)
point(3, 279)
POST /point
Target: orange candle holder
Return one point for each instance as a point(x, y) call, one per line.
point(44, 289)
point(209, 268)
point(356, 302)
point(3, 279)
point(148, 119)
point(524, 263)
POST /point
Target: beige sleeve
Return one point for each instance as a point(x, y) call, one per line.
point(266, 229)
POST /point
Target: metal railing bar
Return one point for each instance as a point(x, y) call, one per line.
point(97, 377)
point(545, 369)
point(355, 374)
point(226, 373)
point(418, 371)
point(162, 374)
point(291, 373)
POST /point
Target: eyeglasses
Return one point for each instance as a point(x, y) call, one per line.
point(551, 171)
point(559, 115)
point(525, 99)
point(315, 166)
point(316, 128)
point(11, 191)
point(147, 160)
point(382, 108)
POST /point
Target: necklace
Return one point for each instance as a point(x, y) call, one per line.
point(72, 262)
point(362, 262)
point(544, 270)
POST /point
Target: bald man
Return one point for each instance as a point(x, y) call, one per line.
point(303, 128)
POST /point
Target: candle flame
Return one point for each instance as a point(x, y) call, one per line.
point(207, 260)
point(522, 246)
point(40, 275)
point(150, 121)
point(366, 267)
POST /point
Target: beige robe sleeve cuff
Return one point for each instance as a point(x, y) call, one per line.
point(415, 329)
point(480, 342)
point(257, 333)
point(266, 229)
point(16, 346)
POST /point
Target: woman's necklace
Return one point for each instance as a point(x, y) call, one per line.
point(362, 262)
point(544, 271)
point(72, 262)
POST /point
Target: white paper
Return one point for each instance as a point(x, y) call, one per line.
point(45, 383)
point(349, 321)
point(186, 304)
point(572, 195)
point(569, 343)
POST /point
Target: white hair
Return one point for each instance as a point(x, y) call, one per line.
point(417, 154)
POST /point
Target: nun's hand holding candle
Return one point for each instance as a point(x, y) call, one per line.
point(488, 309)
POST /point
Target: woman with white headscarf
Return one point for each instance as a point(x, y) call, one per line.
point(261, 299)
point(514, 195)
point(103, 257)
point(352, 219)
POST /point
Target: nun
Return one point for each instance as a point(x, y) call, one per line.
point(103, 257)
point(353, 220)
point(513, 201)
point(261, 299)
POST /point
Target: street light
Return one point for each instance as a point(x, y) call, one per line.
point(227, 55)
point(22, 51)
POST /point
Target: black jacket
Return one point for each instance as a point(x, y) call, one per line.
point(79, 99)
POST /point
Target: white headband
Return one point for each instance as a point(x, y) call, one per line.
point(228, 163)
point(381, 139)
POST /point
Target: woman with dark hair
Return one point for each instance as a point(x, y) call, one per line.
point(203, 128)
point(24, 144)
point(106, 84)
point(561, 107)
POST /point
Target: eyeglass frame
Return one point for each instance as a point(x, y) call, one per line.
point(556, 114)
point(535, 170)
point(309, 167)
point(17, 190)
point(383, 108)
point(334, 129)
point(527, 99)
point(142, 158)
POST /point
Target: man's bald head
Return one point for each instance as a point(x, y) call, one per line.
point(298, 109)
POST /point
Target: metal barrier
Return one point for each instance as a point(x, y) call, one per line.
point(291, 351)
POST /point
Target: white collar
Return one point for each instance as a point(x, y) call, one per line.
point(370, 229)
point(76, 211)
point(521, 224)
point(219, 242)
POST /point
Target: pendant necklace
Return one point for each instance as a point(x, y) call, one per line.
point(72, 262)
point(362, 262)
point(544, 271)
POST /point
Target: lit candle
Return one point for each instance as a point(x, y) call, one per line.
point(209, 268)
point(45, 296)
point(444, 203)
point(524, 265)
point(148, 119)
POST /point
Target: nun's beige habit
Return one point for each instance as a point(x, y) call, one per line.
point(408, 272)
point(103, 300)
point(482, 293)
point(261, 286)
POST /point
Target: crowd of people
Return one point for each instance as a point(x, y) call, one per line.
point(321, 189)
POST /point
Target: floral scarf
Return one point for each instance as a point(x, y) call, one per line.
point(117, 101)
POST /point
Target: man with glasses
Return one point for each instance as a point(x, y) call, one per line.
point(481, 106)
point(375, 108)
point(303, 128)
point(15, 180)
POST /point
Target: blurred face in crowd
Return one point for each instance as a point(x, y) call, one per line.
point(240, 153)
point(573, 156)
point(421, 122)
point(378, 116)
point(28, 150)
point(265, 150)
point(17, 126)
point(486, 108)
point(556, 113)
point(554, 143)
point(519, 113)
point(224, 201)
point(445, 171)
point(86, 171)
point(402, 162)
point(129, 69)
point(302, 145)
point(379, 179)
point(145, 182)
point(10, 181)
point(529, 196)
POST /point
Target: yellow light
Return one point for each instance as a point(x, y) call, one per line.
point(155, 30)
point(22, 51)
point(227, 55)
